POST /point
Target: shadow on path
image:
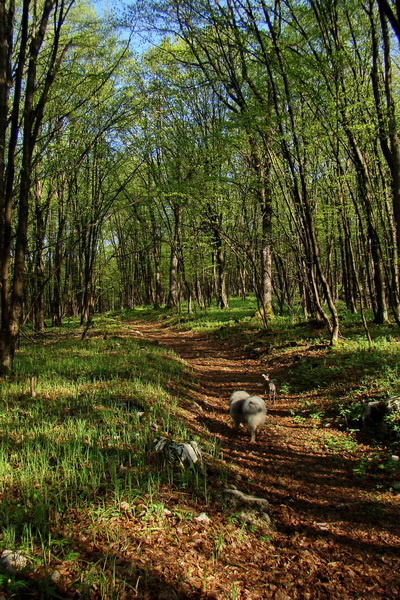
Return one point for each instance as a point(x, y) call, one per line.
point(317, 501)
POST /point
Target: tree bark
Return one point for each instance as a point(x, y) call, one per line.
point(174, 287)
point(32, 31)
point(388, 137)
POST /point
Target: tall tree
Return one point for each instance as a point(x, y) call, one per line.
point(22, 105)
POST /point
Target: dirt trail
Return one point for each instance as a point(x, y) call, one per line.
point(338, 535)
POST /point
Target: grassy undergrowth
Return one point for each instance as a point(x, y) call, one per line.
point(81, 442)
point(78, 449)
point(336, 382)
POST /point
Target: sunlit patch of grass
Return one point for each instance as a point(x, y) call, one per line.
point(339, 444)
point(350, 365)
point(207, 320)
point(339, 381)
point(85, 434)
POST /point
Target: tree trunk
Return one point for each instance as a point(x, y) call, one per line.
point(261, 168)
point(56, 303)
point(31, 31)
point(174, 287)
point(157, 263)
point(389, 141)
point(41, 213)
point(220, 278)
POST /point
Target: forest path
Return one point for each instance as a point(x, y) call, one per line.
point(338, 534)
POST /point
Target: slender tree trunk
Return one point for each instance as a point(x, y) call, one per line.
point(261, 168)
point(220, 277)
point(41, 213)
point(174, 288)
point(199, 293)
point(353, 273)
point(173, 297)
point(56, 303)
point(8, 149)
point(388, 138)
point(347, 268)
point(295, 160)
point(364, 195)
point(157, 263)
point(381, 314)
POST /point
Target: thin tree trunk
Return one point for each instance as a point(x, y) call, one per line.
point(220, 278)
point(174, 288)
point(157, 263)
point(261, 169)
point(41, 213)
point(388, 138)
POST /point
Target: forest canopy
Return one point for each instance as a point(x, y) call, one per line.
point(247, 147)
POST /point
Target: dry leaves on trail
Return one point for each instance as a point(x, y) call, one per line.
point(336, 536)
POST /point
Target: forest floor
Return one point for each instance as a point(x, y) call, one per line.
point(336, 516)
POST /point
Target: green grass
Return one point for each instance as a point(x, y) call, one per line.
point(81, 446)
point(239, 313)
point(85, 437)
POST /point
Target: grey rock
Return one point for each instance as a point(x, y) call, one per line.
point(12, 562)
point(184, 454)
point(240, 499)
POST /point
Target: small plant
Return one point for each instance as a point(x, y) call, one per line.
point(284, 388)
point(219, 544)
point(298, 418)
point(317, 415)
point(392, 420)
point(349, 412)
point(13, 586)
point(235, 592)
point(337, 443)
point(361, 468)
